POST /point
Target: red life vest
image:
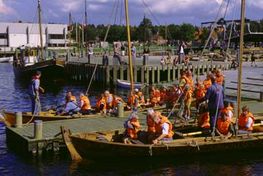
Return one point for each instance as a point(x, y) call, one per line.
point(242, 121)
point(132, 132)
point(223, 126)
point(150, 124)
point(86, 103)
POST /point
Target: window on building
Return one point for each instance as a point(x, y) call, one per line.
point(3, 36)
point(56, 36)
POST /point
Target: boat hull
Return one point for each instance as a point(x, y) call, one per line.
point(126, 84)
point(93, 149)
point(49, 69)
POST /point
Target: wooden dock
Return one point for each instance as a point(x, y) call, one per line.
point(22, 140)
point(145, 74)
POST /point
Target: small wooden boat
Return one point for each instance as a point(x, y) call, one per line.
point(101, 145)
point(127, 84)
point(6, 59)
point(10, 117)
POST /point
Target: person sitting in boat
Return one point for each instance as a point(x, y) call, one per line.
point(139, 94)
point(245, 121)
point(72, 97)
point(85, 107)
point(163, 127)
point(132, 126)
point(228, 108)
point(203, 119)
point(101, 104)
point(155, 96)
point(133, 102)
point(224, 126)
point(70, 108)
point(109, 99)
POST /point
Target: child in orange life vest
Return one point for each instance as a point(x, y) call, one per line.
point(228, 108)
point(245, 121)
point(85, 107)
point(150, 125)
point(132, 126)
point(101, 104)
point(219, 77)
point(155, 96)
point(199, 92)
point(224, 126)
point(203, 119)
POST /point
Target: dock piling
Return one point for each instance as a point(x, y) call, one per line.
point(19, 120)
point(120, 110)
point(38, 129)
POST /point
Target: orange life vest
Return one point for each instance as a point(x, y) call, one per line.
point(223, 126)
point(86, 103)
point(100, 102)
point(203, 120)
point(73, 98)
point(155, 96)
point(140, 97)
point(132, 132)
point(243, 119)
point(150, 124)
point(116, 100)
point(188, 96)
point(109, 104)
point(200, 92)
point(159, 126)
point(133, 100)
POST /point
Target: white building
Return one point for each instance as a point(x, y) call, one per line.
point(13, 35)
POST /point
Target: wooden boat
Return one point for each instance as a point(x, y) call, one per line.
point(126, 84)
point(10, 117)
point(49, 69)
point(101, 145)
point(6, 59)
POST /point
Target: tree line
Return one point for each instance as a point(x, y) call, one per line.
point(145, 31)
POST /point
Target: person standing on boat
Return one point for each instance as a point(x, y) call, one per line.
point(35, 89)
point(215, 97)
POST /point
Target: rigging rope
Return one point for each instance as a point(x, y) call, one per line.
point(212, 28)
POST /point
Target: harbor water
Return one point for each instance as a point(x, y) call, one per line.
point(14, 97)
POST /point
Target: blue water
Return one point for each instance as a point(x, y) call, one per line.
point(13, 96)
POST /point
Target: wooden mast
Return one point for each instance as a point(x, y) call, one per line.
point(241, 45)
point(129, 44)
point(40, 32)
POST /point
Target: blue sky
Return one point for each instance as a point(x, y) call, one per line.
point(101, 11)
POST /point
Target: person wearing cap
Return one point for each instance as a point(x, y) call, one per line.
point(35, 89)
point(132, 126)
point(163, 127)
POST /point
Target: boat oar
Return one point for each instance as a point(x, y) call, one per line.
point(75, 156)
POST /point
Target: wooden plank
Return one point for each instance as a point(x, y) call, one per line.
point(259, 79)
point(153, 74)
point(245, 90)
point(247, 83)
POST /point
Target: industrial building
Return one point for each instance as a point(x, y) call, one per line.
point(13, 35)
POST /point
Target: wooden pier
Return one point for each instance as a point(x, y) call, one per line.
point(23, 139)
point(145, 74)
